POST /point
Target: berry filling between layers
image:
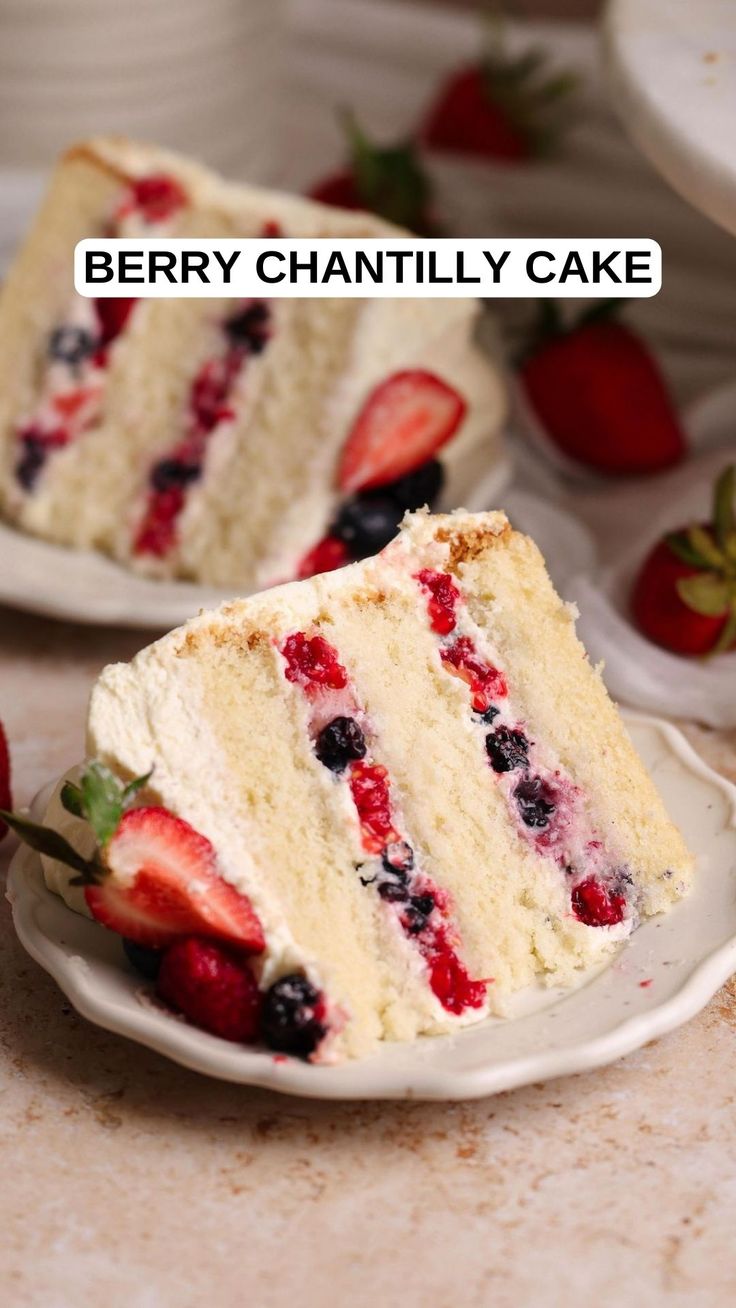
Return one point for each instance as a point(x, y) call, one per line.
point(211, 405)
point(78, 350)
point(547, 807)
point(342, 740)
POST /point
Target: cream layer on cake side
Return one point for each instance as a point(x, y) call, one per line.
point(412, 771)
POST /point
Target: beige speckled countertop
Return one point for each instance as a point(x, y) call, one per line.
point(129, 1181)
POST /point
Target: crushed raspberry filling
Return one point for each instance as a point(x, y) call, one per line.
point(596, 904)
point(245, 334)
point(450, 980)
point(370, 790)
point(155, 198)
point(545, 804)
point(444, 596)
point(419, 907)
point(486, 682)
point(312, 662)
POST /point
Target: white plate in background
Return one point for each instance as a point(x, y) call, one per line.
point(664, 975)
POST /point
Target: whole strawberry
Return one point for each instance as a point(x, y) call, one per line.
point(388, 181)
point(600, 395)
point(502, 108)
point(212, 986)
point(5, 799)
point(684, 597)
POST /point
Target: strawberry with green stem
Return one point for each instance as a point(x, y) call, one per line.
point(151, 877)
point(385, 180)
point(504, 108)
point(684, 597)
point(599, 393)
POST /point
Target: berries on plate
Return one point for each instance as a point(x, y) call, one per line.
point(293, 1016)
point(385, 180)
point(402, 424)
point(6, 802)
point(504, 108)
point(212, 986)
point(599, 394)
point(684, 597)
point(152, 878)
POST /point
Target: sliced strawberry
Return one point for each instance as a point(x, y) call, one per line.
point(213, 987)
point(402, 424)
point(163, 882)
point(5, 797)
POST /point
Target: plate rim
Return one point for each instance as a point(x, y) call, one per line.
point(369, 1079)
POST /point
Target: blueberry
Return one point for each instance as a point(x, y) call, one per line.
point(398, 858)
point(416, 916)
point(168, 474)
point(291, 1017)
point(535, 802)
point(489, 715)
point(71, 344)
point(339, 742)
point(507, 749)
point(417, 488)
point(31, 462)
point(393, 890)
point(367, 522)
point(146, 961)
point(250, 329)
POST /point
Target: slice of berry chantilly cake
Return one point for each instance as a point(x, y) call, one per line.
point(236, 443)
point(395, 793)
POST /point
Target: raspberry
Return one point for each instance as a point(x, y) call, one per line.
point(486, 682)
point(444, 596)
point(596, 905)
point(370, 790)
point(312, 661)
point(212, 986)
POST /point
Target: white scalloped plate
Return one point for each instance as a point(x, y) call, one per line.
point(663, 976)
point(82, 586)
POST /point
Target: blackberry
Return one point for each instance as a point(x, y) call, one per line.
point(417, 488)
point(339, 742)
point(291, 1016)
point(507, 749)
point(144, 960)
point(416, 916)
point(250, 329)
point(71, 344)
point(535, 802)
point(169, 474)
point(31, 461)
point(367, 522)
point(488, 715)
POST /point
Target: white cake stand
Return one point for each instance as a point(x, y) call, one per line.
point(672, 71)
